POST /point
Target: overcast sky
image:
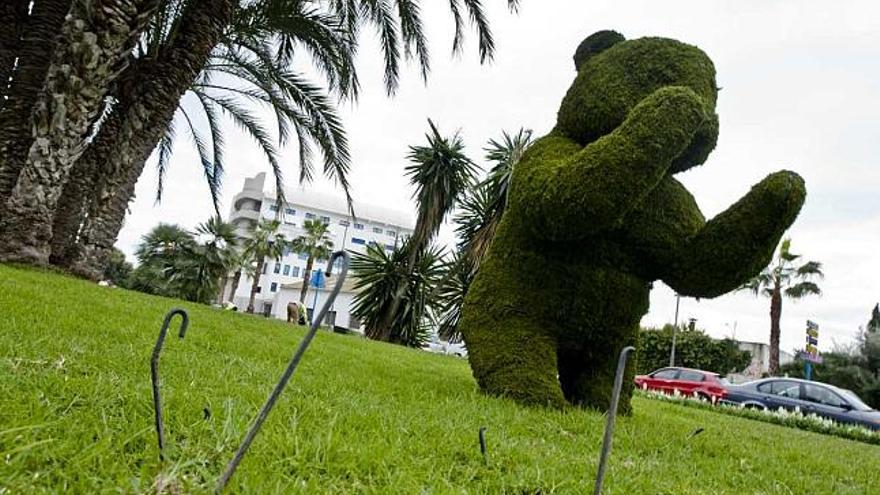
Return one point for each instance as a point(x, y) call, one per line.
point(800, 90)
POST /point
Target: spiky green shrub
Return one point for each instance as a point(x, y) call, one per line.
point(383, 276)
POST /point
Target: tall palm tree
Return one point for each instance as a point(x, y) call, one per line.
point(788, 277)
point(168, 59)
point(441, 173)
point(315, 244)
point(93, 42)
point(240, 265)
point(380, 276)
point(326, 29)
point(219, 250)
point(263, 242)
point(25, 54)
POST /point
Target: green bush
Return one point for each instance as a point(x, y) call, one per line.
point(693, 349)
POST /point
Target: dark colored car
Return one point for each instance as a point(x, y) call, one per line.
point(809, 397)
point(686, 381)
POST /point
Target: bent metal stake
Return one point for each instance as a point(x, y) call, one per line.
point(273, 397)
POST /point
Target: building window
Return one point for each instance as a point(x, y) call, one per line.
point(310, 216)
point(273, 287)
point(265, 267)
point(289, 211)
point(295, 272)
point(289, 222)
point(287, 269)
point(273, 208)
point(377, 230)
point(389, 247)
point(326, 220)
point(344, 223)
point(259, 289)
point(277, 268)
point(303, 256)
point(391, 233)
point(358, 241)
point(358, 226)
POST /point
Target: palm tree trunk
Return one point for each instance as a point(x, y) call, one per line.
point(95, 39)
point(307, 277)
point(775, 316)
point(221, 293)
point(34, 51)
point(236, 279)
point(13, 18)
point(255, 284)
point(122, 146)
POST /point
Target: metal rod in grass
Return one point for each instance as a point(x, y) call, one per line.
point(612, 415)
point(154, 371)
point(291, 367)
point(483, 449)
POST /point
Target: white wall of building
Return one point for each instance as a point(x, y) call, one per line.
point(373, 224)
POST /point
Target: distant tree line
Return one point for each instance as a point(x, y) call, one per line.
point(693, 349)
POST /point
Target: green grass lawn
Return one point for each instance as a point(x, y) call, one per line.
point(358, 416)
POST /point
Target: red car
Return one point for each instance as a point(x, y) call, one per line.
point(686, 381)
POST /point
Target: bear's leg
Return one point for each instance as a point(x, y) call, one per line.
point(587, 373)
point(512, 357)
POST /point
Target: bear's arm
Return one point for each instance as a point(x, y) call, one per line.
point(564, 192)
point(738, 243)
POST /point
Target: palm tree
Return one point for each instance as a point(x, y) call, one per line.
point(25, 57)
point(157, 253)
point(483, 207)
point(219, 251)
point(263, 242)
point(381, 279)
point(315, 244)
point(441, 172)
point(787, 277)
point(478, 219)
point(93, 42)
point(327, 30)
point(240, 265)
point(167, 61)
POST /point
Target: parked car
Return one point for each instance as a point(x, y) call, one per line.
point(698, 383)
point(457, 349)
point(808, 397)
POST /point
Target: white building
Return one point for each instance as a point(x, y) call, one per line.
point(281, 281)
point(760, 360)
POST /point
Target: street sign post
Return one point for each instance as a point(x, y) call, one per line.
point(318, 283)
point(810, 354)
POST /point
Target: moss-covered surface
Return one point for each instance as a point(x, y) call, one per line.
point(595, 217)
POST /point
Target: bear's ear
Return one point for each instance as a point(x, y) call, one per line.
point(595, 44)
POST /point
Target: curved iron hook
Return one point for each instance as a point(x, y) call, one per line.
point(291, 367)
point(154, 371)
point(609, 420)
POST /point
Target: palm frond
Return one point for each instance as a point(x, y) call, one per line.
point(810, 269)
point(802, 289)
point(166, 148)
point(205, 157)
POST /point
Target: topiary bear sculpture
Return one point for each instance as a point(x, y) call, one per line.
point(595, 215)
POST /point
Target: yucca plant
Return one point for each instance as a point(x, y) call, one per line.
point(383, 277)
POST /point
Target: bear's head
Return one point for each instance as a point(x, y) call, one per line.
point(615, 74)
